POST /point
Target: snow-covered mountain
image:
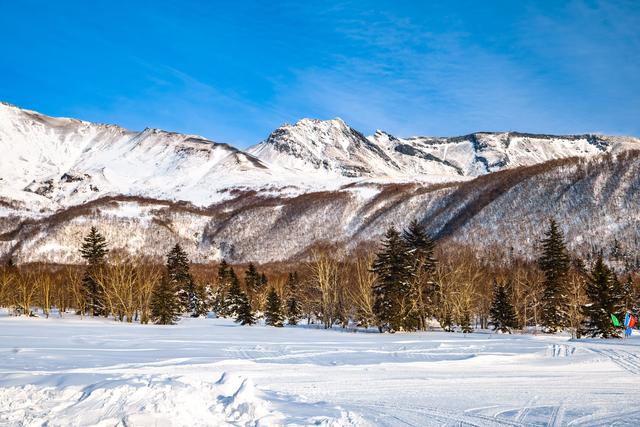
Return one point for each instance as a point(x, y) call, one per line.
point(332, 146)
point(69, 162)
point(310, 181)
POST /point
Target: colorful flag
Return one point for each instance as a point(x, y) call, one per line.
point(615, 320)
point(632, 322)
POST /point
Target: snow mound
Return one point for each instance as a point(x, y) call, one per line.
point(149, 400)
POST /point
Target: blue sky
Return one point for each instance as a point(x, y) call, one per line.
point(234, 71)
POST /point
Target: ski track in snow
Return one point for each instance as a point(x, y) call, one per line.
point(62, 372)
point(630, 362)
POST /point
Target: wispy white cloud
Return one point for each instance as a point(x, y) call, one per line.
point(548, 74)
point(551, 67)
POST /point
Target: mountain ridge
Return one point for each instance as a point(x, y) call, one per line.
point(152, 187)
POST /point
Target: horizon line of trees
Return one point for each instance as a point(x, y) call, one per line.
point(408, 284)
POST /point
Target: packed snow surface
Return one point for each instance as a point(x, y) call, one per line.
point(62, 372)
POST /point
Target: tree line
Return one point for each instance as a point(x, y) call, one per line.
point(408, 283)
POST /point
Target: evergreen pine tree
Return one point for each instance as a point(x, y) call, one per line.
point(421, 246)
point(630, 302)
point(554, 263)
point(94, 250)
point(604, 299)
point(165, 303)
point(252, 280)
point(578, 265)
point(446, 319)
point(294, 308)
point(178, 270)
point(234, 296)
point(393, 271)
point(273, 310)
point(94, 247)
point(223, 280)
point(223, 271)
point(253, 284)
point(422, 290)
point(503, 315)
point(619, 299)
point(244, 314)
point(200, 302)
point(465, 322)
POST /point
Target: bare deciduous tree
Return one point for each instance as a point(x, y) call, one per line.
point(324, 276)
point(360, 293)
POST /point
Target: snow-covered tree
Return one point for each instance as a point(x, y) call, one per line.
point(200, 301)
point(554, 263)
point(235, 297)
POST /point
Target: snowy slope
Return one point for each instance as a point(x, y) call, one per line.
point(50, 163)
point(481, 153)
point(314, 180)
point(333, 147)
point(595, 200)
point(204, 372)
point(70, 162)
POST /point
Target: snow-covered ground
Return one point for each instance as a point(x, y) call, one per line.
point(72, 372)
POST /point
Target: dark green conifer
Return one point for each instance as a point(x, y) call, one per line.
point(605, 298)
point(178, 271)
point(393, 271)
point(165, 303)
point(422, 291)
point(273, 310)
point(554, 263)
point(224, 279)
point(200, 302)
point(252, 281)
point(421, 247)
point(244, 314)
point(503, 315)
point(294, 308)
point(253, 284)
point(465, 322)
point(94, 250)
point(234, 296)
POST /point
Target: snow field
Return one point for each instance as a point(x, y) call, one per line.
point(203, 372)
